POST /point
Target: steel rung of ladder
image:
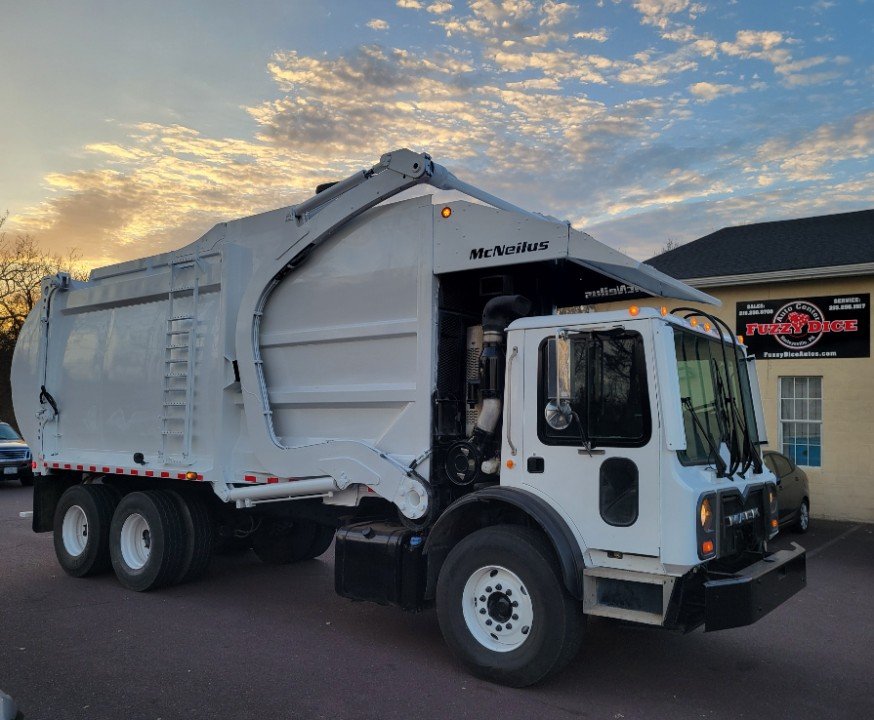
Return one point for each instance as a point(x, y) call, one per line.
point(179, 356)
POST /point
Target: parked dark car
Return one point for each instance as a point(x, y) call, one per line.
point(793, 491)
point(14, 456)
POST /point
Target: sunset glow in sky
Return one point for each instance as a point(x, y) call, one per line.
point(129, 128)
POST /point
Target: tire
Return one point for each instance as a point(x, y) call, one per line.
point(26, 480)
point(281, 543)
point(147, 540)
point(802, 522)
point(81, 528)
point(199, 535)
point(500, 574)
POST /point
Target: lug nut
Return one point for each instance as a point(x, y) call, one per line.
point(515, 603)
point(525, 630)
point(482, 611)
point(509, 626)
point(508, 592)
point(482, 598)
point(515, 616)
point(488, 622)
point(498, 628)
point(498, 586)
point(489, 589)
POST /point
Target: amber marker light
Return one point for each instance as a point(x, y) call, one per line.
point(693, 322)
point(446, 212)
point(707, 327)
point(510, 464)
point(634, 311)
point(663, 310)
point(707, 547)
point(191, 475)
point(774, 522)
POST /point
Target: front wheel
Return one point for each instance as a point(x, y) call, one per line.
point(802, 523)
point(503, 608)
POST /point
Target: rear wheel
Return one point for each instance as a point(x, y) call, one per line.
point(199, 536)
point(147, 540)
point(81, 528)
point(503, 608)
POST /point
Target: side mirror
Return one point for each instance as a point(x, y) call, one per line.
point(558, 411)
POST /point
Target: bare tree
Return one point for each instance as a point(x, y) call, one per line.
point(23, 264)
point(670, 244)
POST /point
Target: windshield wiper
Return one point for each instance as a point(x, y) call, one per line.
point(714, 451)
point(723, 404)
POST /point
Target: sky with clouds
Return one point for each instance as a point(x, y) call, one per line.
point(130, 128)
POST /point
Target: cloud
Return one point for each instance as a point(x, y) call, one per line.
point(597, 34)
point(438, 8)
point(409, 4)
point(706, 91)
point(814, 156)
point(377, 24)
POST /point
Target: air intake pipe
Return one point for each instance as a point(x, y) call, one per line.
point(497, 314)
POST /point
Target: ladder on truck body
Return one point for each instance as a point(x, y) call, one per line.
point(180, 347)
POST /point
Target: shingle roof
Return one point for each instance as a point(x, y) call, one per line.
point(814, 242)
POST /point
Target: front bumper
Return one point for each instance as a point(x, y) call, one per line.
point(15, 469)
point(751, 593)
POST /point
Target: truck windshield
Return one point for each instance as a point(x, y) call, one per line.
point(716, 399)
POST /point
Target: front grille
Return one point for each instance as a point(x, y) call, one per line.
point(14, 455)
point(743, 522)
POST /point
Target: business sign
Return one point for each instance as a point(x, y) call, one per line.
point(830, 326)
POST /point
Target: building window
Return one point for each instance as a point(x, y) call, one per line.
point(801, 419)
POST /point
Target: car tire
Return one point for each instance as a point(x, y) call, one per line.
point(26, 480)
point(199, 535)
point(503, 608)
point(81, 526)
point(802, 522)
point(147, 540)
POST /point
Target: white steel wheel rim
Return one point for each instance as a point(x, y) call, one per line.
point(805, 516)
point(74, 530)
point(135, 541)
point(497, 608)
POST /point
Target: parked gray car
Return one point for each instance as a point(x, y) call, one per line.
point(793, 491)
point(15, 456)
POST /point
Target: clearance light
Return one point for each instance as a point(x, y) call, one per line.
point(191, 475)
point(510, 464)
point(707, 547)
point(740, 339)
point(707, 327)
point(446, 212)
point(774, 522)
point(634, 311)
point(693, 322)
point(663, 310)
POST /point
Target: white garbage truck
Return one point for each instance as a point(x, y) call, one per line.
point(391, 375)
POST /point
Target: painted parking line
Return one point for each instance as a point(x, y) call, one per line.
point(817, 551)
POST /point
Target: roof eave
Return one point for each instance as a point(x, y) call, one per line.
point(783, 275)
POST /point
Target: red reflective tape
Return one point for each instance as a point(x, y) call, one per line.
point(66, 467)
point(106, 469)
point(33, 465)
point(200, 477)
point(181, 476)
point(250, 478)
point(54, 465)
point(79, 467)
point(92, 468)
point(272, 480)
point(134, 472)
point(119, 471)
point(150, 473)
point(165, 474)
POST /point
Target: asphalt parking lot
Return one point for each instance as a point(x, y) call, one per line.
point(252, 641)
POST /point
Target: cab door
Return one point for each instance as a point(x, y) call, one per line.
point(602, 469)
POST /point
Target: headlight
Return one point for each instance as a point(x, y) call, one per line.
point(706, 530)
point(705, 515)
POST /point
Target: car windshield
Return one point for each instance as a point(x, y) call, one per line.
point(717, 404)
point(7, 433)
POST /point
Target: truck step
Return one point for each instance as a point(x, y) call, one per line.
point(179, 318)
point(176, 360)
point(179, 332)
point(176, 375)
point(182, 288)
point(180, 403)
point(177, 433)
